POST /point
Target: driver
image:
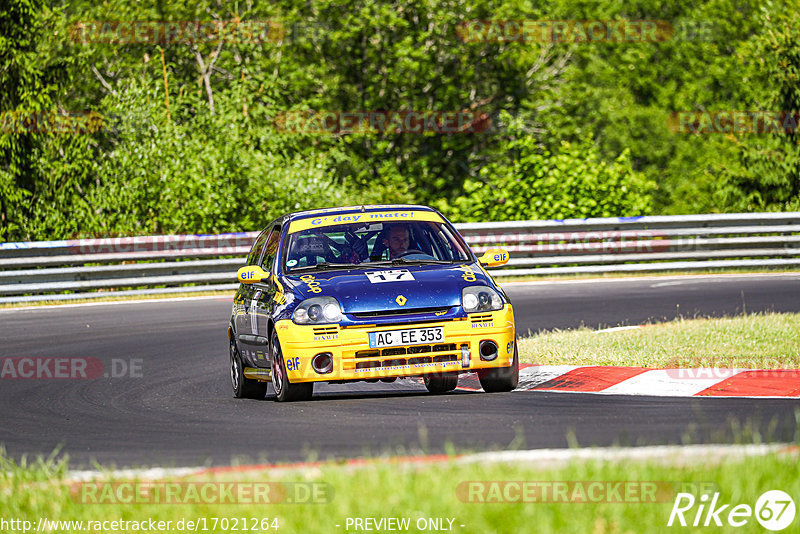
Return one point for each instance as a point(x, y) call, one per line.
point(397, 240)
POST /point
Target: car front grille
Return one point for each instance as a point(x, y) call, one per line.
point(401, 351)
point(409, 355)
point(394, 362)
point(325, 330)
point(396, 313)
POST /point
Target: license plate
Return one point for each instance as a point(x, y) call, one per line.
point(412, 336)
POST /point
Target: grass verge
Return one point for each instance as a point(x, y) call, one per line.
point(473, 497)
point(758, 341)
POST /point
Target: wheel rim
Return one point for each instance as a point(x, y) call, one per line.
point(277, 369)
point(234, 369)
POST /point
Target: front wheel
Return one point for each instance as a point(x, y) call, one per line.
point(243, 387)
point(500, 379)
point(285, 391)
point(441, 383)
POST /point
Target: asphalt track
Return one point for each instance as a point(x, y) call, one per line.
point(178, 409)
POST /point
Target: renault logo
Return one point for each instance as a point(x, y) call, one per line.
point(401, 300)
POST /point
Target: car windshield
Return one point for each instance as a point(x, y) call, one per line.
point(372, 243)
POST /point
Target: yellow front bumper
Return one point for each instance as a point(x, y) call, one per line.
point(353, 359)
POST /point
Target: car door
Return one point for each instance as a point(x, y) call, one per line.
point(254, 338)
point(244, 303)
point(263, 303)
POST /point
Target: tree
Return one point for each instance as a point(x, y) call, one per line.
point(768, 176)
point(32, 71)
point(575, 181)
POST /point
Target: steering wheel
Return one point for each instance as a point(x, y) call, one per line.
point(413, 251)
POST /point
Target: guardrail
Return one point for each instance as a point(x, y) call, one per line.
point(168, 264)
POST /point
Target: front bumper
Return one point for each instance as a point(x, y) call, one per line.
point(353, 359)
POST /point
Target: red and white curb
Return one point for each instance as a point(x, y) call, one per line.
point(713, 382)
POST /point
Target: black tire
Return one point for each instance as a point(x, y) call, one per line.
point(285, 391)
point(501, 379)
point(441, 383)
point(243, 387)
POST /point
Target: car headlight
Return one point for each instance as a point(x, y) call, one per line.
point(480, 298)
point(318, 310)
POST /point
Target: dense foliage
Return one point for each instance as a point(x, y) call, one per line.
point(190, 133)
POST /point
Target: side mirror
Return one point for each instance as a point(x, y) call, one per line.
point(494, 257)
point(251, 274)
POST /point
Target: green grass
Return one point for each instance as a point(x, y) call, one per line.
point(759, 341)
point(440, 490)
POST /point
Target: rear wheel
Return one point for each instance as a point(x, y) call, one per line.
point(285, 391)
point(441, 383)
point(499, 379)
point(243, 387)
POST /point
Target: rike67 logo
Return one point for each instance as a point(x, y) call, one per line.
point(774, 510)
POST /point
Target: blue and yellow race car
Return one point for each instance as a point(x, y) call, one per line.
point(368, 293)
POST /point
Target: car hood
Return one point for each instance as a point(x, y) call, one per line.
point(381, 288)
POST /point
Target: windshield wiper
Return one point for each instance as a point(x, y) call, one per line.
point(325, 265)
point(401, 261)
point(405, 261)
